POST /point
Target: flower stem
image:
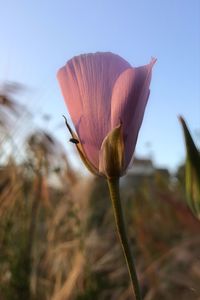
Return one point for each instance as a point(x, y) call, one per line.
point(113, 185)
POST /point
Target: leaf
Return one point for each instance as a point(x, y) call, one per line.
point(192, 171)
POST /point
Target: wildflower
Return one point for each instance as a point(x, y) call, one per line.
point(106, 98)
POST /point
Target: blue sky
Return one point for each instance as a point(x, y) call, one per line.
point(38, 37)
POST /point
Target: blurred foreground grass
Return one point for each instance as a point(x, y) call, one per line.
point(57, 233)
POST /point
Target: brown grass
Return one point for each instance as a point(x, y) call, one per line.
point(57, 233)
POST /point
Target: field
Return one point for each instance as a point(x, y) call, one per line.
point(57, 231)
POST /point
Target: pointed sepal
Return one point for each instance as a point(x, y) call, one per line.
point(111, 160)
point(75, 140)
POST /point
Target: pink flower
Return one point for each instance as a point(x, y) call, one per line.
point(103, 93)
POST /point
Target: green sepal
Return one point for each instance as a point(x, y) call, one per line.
point(111, 159)
point(81, 151)
point(192, 171)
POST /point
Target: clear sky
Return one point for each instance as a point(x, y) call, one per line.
point(38, 37)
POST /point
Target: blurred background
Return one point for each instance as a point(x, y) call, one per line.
point(57, 233)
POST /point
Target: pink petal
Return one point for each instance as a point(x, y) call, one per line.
point(129, 98)
point(86, 82)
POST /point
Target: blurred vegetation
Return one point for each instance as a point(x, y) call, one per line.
point(57, 232)
point(192, 171)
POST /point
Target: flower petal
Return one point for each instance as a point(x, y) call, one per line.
point(129, 98)
point(86, 82)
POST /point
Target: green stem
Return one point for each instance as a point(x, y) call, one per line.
point(113, 185)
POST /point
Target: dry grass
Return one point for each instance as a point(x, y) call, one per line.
point(57, 233)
